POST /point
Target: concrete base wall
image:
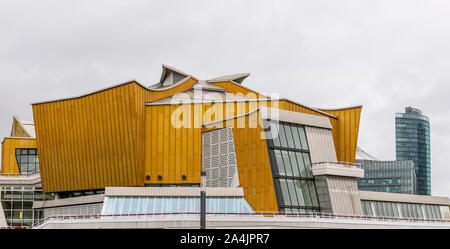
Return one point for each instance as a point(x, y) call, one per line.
point(260, 222)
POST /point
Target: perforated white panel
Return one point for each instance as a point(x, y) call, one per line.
point(88, 209)
point(219, 159)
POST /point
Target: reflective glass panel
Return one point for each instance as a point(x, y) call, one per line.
point(142, 205)
point(287, 163)
point(151, 205)
point(117, 204)
point(158, 205)
point(230, 206)
point(303, 141)
point(134, 205)
point(182, 205)
point(285, 192)
point(280, 165)
point(275, 134)
point(312, 190)
point(246, 207)
point(126, 205)
point(419, 211)
point(292, 192)
point(174, 204)
point(222, 208)
point(239, 205)
point(296, 137)
point(298, 188)
point(307, 165)
point(293, 160)
point(214, 204)
point(110, 205)
point(282, 137)
point(395, 207)
point(301, 164)
point(290, 139)
point(306, 194)
point(166, 205)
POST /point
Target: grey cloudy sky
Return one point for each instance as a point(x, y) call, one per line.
point(384, 55)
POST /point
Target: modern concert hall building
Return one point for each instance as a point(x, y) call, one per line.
point(132, 156)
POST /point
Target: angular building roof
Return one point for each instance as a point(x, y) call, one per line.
point(238, 78)
point(21, 128)
point(362, 155)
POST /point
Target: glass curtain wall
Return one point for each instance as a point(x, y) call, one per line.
point(388, 176)
point(17, 203)
point(401, 210)
point(174, 204)
point(291, 167)
point(27, 160)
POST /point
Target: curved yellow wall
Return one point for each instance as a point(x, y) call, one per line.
point(111, 138)
point(96, 140)
point(345, 132)
point(345, 126)
point(234, 88)
point(255, 173)
point(173, 152)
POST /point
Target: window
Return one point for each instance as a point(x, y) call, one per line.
point(367, 208)
point(27, 160)
point(291, 167)
point(174, 204)
point(301, 164)
point(285, 192)
point(407, 210)
point(280, 163)
point(17, 203)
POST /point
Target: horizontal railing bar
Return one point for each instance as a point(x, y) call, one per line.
point(275, 214)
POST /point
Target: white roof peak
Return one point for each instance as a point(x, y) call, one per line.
point(27, 126)
point(237, 78)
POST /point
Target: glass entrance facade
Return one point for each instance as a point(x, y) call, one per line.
point(17, 203)
point(291, 167)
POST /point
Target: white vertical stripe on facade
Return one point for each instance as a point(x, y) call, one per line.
point(88, 209)
point(445, 212)
point(344, 195)
point(294, 117)
point(321, 145)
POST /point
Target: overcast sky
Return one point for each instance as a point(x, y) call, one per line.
point(384, 55)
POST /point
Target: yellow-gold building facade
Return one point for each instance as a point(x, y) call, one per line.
point(131, 135)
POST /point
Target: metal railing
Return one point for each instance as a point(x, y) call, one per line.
point(18, 175)
point(260, 214)
point(342, 164)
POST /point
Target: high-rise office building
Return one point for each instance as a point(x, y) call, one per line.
point(412, 138)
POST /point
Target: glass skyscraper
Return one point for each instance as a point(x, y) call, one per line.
point(412, 138)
